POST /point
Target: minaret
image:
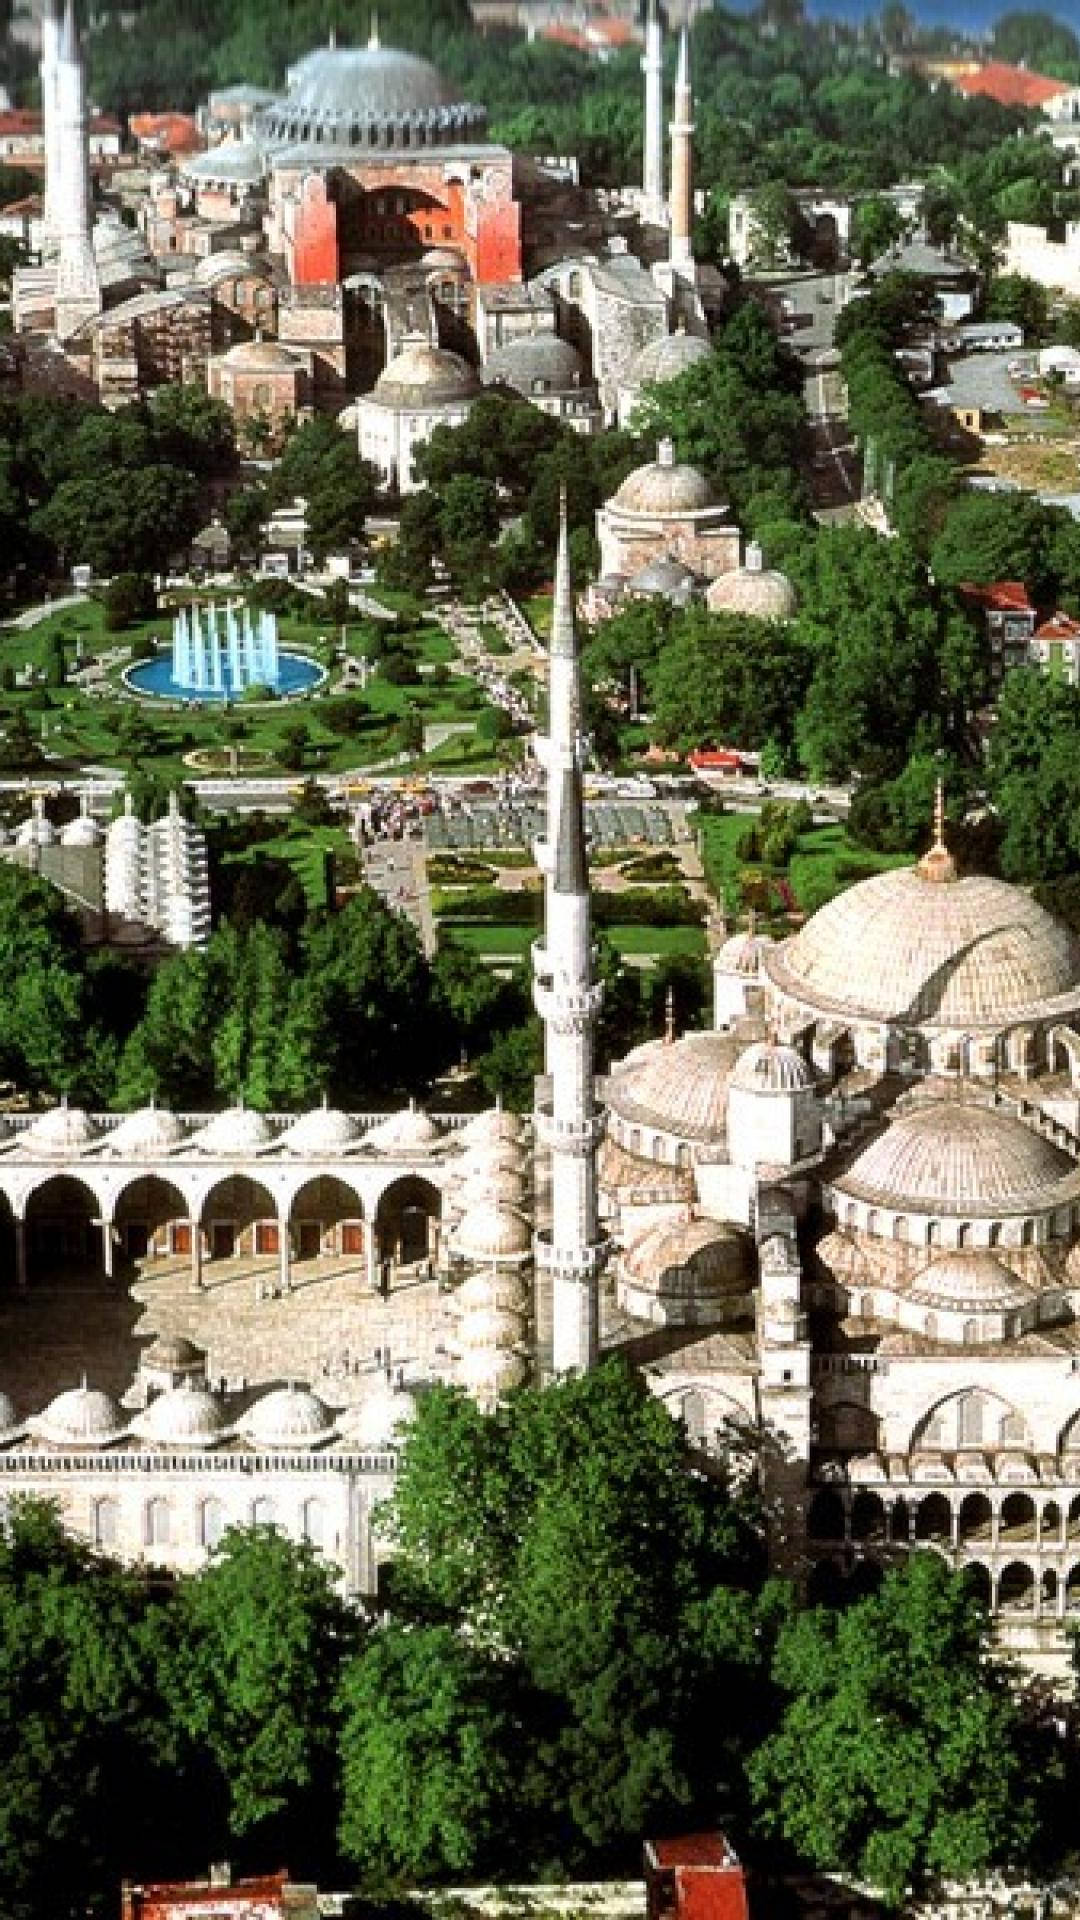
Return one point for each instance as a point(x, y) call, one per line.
point(681, 250)
point(51, 22)
point(78, 290)
point(652, 66)
point(568, 1002)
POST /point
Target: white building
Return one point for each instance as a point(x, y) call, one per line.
point(422, 388)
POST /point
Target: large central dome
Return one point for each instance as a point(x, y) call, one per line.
point(902, 946)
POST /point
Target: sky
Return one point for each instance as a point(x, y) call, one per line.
point(973, 16)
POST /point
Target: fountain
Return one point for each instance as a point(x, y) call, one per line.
point(222, 653)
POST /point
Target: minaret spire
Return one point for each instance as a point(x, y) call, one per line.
point(652, 66)
point(51, 26)
point(569, 1251)
point(373, 32)
point(681, 249)
point(78, 289)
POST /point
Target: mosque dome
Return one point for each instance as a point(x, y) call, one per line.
point(490, 1231)
point(484, 1290)
point(969, 1282)
point(36, 831)
point(762, 592)
point(378, 1419)
point(231, 261)
point(665, 486)
point(185, 1416)
point(287, 1417)
point(172, 1353)
point(666, 358)
point(741, 954)
point(321, 1133)
point(503, 1185)
point(664, 579)
point(421, 376)
point(260, 356)
point(237, 1131)
point(149, 1131)
point(489, 1372)
point(491, 1157)
point(920, 946)
point(493, 1125)
point(680, 1088)
point(492, 1326)
point(535, 362)
point(712, 1253)
point(81, 1417)
point(769, 1067)
point(953, 1157)
point(409, 1131)
point(371, 97)
point(63, 1130)
point(236, 163)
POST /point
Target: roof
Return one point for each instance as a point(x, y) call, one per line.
point(422, 376)
point(665, 487)
point(679, 1088)
point(175, 132)
point(761, 592)
point(535, 357)
point(901, 946)
point(1010, 86)
point(1059, 627)
point(1000, 596)
point(692, 1850)
point(958, 1158)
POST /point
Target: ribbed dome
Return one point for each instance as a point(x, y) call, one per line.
point(535, 358)
point(904, 946)
point(260, 356)
point(663, 577)
point(767, 1067)
point(763, 593)
point(492, 1326)
point(421, 376)
point(489, 1231)
point(486, 1289)
point(489, 1372)
point(186, 1416)
point(681, 1088)
point(322, 1132)
point(975, 1280)
point(410, 1131)
point(666, 358)
point(492, 1157)
point(62, 1130)
point(237, 162)
point(81, 1417)
point(36, 831)
point(379, 1419)
point(287, 1417)
point(367, 80)
point(171, 1352)
point(238, 1130)
point(713, 1253)
point(742, 954)
point(504, 1187)
point(958, 1159)
point(147, 1132)
point(663, 487)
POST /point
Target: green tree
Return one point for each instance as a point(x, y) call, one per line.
point(129, 598)
point(1014, 297)
point(876, 226)
point(773, 223)
point(901, 1753)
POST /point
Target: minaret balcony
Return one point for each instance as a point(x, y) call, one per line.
point(567, 1009)
point(579, 1136)
point(571, 1263)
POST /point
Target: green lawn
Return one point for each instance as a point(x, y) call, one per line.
point(303, 849)
point(515, 941)
point(824, 863)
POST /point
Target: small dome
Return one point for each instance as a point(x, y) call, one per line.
point(421, 376)
point(409, 1131)
point(83, 831)
point(237, 162)
point(504, 1187)
point(535, 360)
point(324, 1131)
point(81, 1417)
point(665, 487)
point(149, 1131)
point(663, 578)
point(970, 1280)
point(37, 831)
point(484, 1290)
point(172, 1353)
point(349, 418)
point(742, 954)
point(440, 260)
point(496, 1124)
point(287, 1417)
point(492, 1327)
point(489, 1231)
point(768, 1067)
point(379, 1419)
point(261, 356)
point(489, 1372)
point(679, 1088)
point(957, 1158)
point(492, 1157)
point(237, 1131)
point(185, 1416)
point(713, 1254)
point(666, 358)
point(63, 1130)
point(765, 594)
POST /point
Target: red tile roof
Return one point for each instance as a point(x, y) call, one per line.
point(1001, 596)
point(1010, 86)
point(693, 1850)
point(173, 132)
point(1058, 627)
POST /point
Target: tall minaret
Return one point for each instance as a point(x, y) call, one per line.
point(652, 66)
point(568, 1002)
point(681, 250)
point(51, 22)
point(78, 290)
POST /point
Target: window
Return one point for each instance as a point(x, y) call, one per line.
point(313, 1522)
point(970, 1413)
point(105, 1523)
point(262, 1512)
point(211, 1522)
point(157, 1523)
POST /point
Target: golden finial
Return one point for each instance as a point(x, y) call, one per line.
point(938, 864)
point(751, 922)
point(939, 815)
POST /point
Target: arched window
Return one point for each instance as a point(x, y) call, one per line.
point(105, 1523)
point(969, 1416)
point(157, 1523)
point(211, 1523)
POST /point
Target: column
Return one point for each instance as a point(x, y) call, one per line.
point(369, 1256)
point(955, 1527)
point(995, 1528)
point(20, 1253)
point(284, 1256)
point(196, 1255)
point(108, 1249)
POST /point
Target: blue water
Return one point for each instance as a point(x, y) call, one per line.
point(295, 675)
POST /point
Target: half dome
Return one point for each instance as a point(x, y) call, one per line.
point(714, 1254)
point(975, 1281)
point(958, 1159)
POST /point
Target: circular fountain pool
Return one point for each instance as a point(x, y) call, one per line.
point(296, 674)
